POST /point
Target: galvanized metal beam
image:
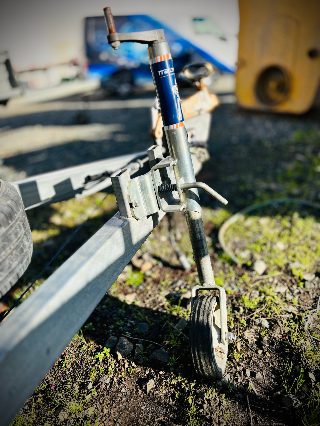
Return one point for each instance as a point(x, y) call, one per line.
point(35, 334)
point(68, 183)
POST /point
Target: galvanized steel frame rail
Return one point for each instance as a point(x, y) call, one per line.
point(70, 182)
point(33, 337)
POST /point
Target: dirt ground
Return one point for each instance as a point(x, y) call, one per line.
point(130, 363)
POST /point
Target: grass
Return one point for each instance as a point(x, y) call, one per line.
point(288, 241)
point(302, 359)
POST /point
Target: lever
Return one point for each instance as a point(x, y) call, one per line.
point(206, 188)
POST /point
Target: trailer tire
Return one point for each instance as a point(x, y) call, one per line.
point(209, 355)
point(15, 237)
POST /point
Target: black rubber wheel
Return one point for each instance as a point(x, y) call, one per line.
point(209, 355)
point(15, 237)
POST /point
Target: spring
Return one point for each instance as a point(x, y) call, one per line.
point(167, 187)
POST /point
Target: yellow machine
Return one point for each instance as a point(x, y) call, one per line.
point(279, 55)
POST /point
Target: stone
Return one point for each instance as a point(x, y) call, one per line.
point(250, 335)
point(245, 254)
point(130, 298)
point(259, 266)
point(178, 283)
point(290, 401)
point(281, 288)
point(136, 262)
point(312, 377)
point(146, 266)
point(292, 309)
point(111, 342)
point(279, 245)
point(138, 350)
point(124, 346)
point(180, 324)
point(90, 411)
point(142, 327)
point(160, 355)
point(105, 379)
point(63, 415)
point(248, 372)
point(150, 385)
point(295, 265)
point(259, 376)
point(309, 285)
point(226, 379)
point(265, 323)
point(255, 294)
point(309, 277)
point(185, 299)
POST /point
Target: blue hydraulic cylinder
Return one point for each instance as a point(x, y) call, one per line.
point(167, 90)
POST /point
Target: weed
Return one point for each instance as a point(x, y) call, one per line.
point(135, 279)
point(292, 383)
point(89, 326)
point(250, 303)
point(101, 355)
point(176, 310)
point(173, 360)
point(192, 411)
point(174, 340)
point(93, 374)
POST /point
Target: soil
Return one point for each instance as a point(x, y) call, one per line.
point(144, 375)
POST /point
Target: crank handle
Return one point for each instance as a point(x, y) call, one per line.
point(206, 188)
point(144, 37)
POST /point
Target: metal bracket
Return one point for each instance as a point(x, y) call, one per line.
point(223, 306)
point(140, 197)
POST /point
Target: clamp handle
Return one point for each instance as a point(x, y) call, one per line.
point(206, 188)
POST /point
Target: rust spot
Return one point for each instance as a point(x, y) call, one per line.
point(219, 352)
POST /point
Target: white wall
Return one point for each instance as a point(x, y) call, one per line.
point(38, 33)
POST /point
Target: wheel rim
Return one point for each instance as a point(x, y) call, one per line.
point(219, 350)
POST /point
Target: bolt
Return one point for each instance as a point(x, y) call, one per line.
point(135, 203)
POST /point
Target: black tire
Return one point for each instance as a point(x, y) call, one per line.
point(15, 237)
point(209, 355)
